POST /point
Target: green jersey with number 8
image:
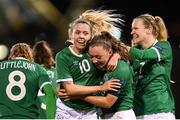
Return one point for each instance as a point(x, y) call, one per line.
point(20, 81)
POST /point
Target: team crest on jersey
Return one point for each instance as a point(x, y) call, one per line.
point(75, 62)
point(159, 47)
point(106, 77)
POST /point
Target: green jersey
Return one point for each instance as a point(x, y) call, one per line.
point(42, 98)
point(20, 81)
point(161, 51)
point(152, 68)
point(80, 70)
point(52, 76)
point(124, 73)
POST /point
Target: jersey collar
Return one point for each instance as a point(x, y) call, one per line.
point(74, 52)
point(21, 58)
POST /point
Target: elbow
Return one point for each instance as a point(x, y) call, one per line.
point(107, 105)
point(109, 102)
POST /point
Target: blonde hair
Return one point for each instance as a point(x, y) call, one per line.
point(77, 21)
point(21, 50)
point(159, 28)
point(103, 20)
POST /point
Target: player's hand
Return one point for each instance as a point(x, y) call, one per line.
point(135, 42)
point(113, 85)
point(113, 62)
point(64, 96)
point(61, 93)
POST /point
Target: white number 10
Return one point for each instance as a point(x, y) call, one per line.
point(84, 66)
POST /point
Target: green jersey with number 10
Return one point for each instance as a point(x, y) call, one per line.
point(80, 70)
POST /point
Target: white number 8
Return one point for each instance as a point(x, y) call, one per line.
point(13, 83)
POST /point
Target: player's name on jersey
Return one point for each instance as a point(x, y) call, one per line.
point(17, 64)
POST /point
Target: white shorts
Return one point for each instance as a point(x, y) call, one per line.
point(158, 116)
point(65, 112)
point(121, 115)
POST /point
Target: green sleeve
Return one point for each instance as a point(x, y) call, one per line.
point(122, 71)
point(50, 101)
point(160, 51)
point(62, 67)
point(143, 54)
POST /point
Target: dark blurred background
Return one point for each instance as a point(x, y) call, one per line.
point(29, 20)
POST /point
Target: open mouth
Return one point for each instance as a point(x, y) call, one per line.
point(81, 42)
point(135, 36)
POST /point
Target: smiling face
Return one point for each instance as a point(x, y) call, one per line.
point(100, 56)
point(139, 31)
point(81, 34)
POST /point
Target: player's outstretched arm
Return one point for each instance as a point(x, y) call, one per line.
point(50, 101)
point(74, 89)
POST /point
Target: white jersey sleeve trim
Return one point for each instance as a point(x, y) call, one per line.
point(158, 54)
point(44, 85)
point(63, 80)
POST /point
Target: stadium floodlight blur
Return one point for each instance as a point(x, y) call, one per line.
point(22, 20)
point(3, 51)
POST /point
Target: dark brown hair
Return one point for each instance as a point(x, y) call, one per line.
point(43, 54)
point(106, 40)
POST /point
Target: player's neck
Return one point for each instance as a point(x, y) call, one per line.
point(75, 50)
point(148, 43)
